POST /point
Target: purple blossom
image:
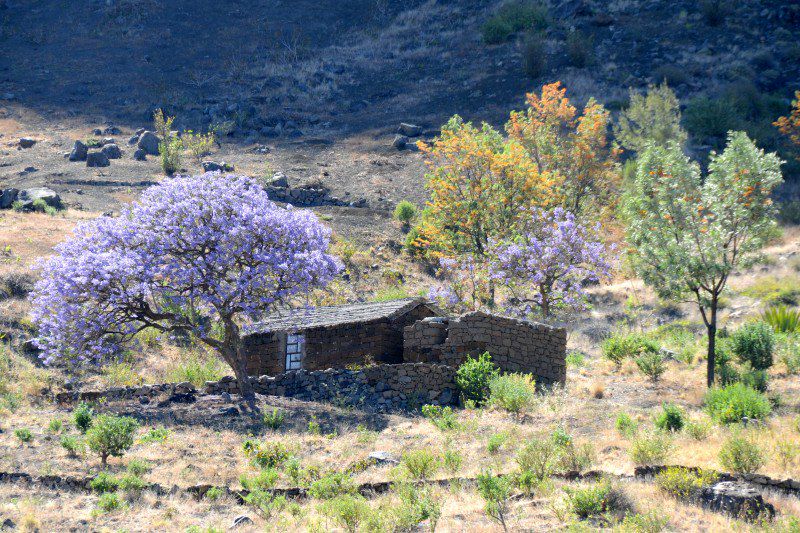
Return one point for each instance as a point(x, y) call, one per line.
point(193, 250)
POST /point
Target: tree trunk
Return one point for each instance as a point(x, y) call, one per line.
point(234, 356)
point(711, 326)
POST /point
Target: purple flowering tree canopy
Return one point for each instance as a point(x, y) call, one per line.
point(547, 266)
point(192, 252)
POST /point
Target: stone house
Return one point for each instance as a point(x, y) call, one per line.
point(410, 330)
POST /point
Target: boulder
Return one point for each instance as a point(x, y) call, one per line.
point(383, 458)
point(8, 197)
point(241, 520)
point(409, 130)
point(79, 151)
point(400, 141)
point(213, 166)
point(148, 141)
point(97, 132)
point(279, 179)
point(107, 140)
point(134, 140)
point(112, 130)
point(737, 499)
point(26, 142)
point(28, 196)
point(112, 151)
point(140, 155)
point(97, 159)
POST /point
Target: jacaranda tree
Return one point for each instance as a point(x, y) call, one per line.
point(198, 254)
point(689, 233)
point(547, 266)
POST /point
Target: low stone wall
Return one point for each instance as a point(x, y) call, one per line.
point(515, 345)
point(309, 197)
point(378, 387)
point(126, 393)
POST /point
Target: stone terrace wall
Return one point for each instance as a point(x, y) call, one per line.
point(378, 387)
point(515, 345)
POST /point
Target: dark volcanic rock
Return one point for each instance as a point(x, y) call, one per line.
point(213, 166)
point(140, 155)
point(400, 141)
point(410, 130)
point(148, 141)
point(112, 151)
point(737, 499)
point(8, 197)
point(79, 151)
point(26, 142)
point(28, 196)
point(97, 159)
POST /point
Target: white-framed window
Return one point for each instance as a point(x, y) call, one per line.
point(295, 346)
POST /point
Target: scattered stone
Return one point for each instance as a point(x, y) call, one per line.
point(8, 197)
point(107, 140)
point(112, 130)
point(8, 524)
point(148, 141)
point(241, 520)
point(279, 179)
point(97, 131)
point(97, 159)
point(140, 154)
point(213, 166)
point(26, 142)
point(79, 151)
point(112, 151)
point(28, 170)
point(133, 140)
point(737, 499)
point(28, 196)
point(410, 130)
point(383, 458)
point(400, 141)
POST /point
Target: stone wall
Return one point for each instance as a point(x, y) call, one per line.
point(333, 346)
point(309, 197)
point(374, 388)
point(515, 345)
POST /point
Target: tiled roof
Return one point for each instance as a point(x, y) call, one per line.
point(334, 315)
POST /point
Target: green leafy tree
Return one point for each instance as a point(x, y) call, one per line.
point(111, 436)
point(653, 117)
point(688, 233)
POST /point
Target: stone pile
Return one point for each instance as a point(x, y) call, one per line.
point(25, 198)
point(313, 196)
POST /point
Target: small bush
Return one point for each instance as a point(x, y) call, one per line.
point(405, 212)
point(442, 417)
point(108, 502)
point(512, 392)
point(73, 445)
point(268, 455)
point(620, 346)
point(741, 455)
point(775, 291)
point(754, 343)
point(55, 425)
point(451, 460)
point(274, 419)
point(789, 353)
point(132, 484)
point(650, 522)
point(170, 147)
point(596, 500)
point(104, 482)
point(650, 449)
point(263, 481)
point(111, 436)
point(683, 483)
point(196, 370)
point(331, 485)
point(705, 118)
point(495, 442)
point(728, 405)
point(625, 425)
point(534, 55)
point(539, 458)
point(782, 319)
point(24, 435)
point(198, 144)
point(513, 17)
point(347, 511)
point(473, 377)
point(652, 365)
point(697, 430)
point(138, 467)
point(214, 493)
point(155, 435)
point(83, 417)
point(420, 464)
point(416, 505)
point(671, 418)
point(575, 359)
point(313, 426)
point(580, 49)
point(495, 491)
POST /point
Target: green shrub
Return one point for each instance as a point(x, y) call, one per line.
point(132, 484)
point(755, 379)
point(451, 460)
point(82, 415)
point(108, 502)
point(264, 480)
point(596, 500)
point(266, 455)
point(697, 430)
point(416, 505)
point(650, 448)
point(405, 212)
point(55, 425)
point(728, 405)
point(741, 455)
point(683, 483)
point(196, 370)
point(104, 482)
point(442, 417)
point(671, 418)
point(625, 425)
point(495, 491)
point(331, 485)
point(198, 144)
point(534, 55)
point(539, 458)
point(650, 522)
point(495, 442)
point(512, 17)
point(274, 419)
point(138, 467)
point(24, 435)
point(573, 456)
point(575, 359)
point(512, 392)
point(214, 493)
point(73, 445)
point(170, 148)
point(782, 319)
point(473, 377)
point(313, 426)
point(789, 353)
point(754, 343)
point(580, 49)
point(652, 365)
point(111, 436)
point(348, 511)
point(155, 435)
point(705, 118)
point(775, 291)
point(421, 463)
point(620, 346)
